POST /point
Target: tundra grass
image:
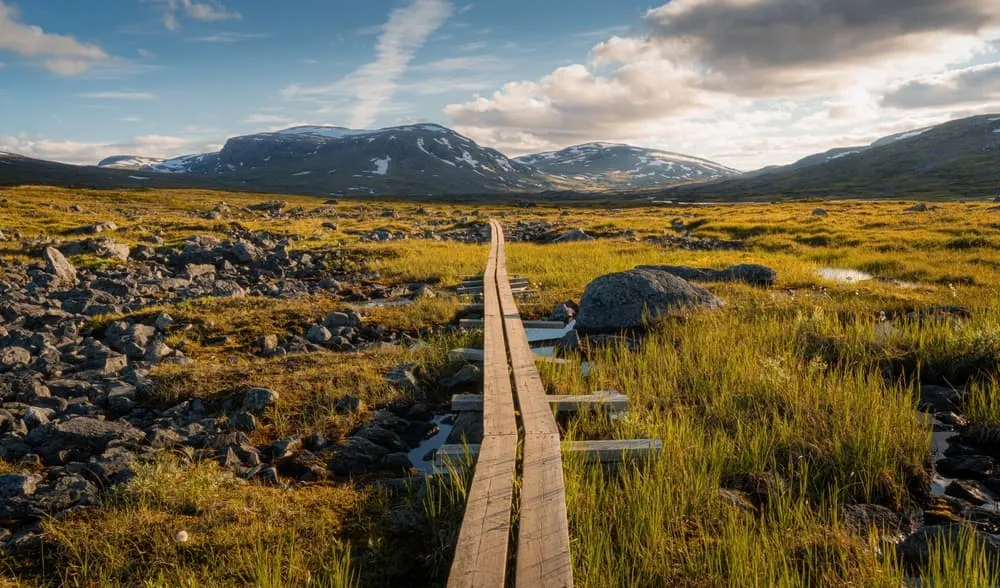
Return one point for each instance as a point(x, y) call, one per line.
point(805, 391)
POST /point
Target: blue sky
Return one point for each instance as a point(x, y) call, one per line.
point(83, 80)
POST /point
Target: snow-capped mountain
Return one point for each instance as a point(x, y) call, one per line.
point(613, 165)
point(413, 159)
point(128, 162)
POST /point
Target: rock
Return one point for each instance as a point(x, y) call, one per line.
point(318, 334)
point(737, 500)
point(347, 405)
point(286, 447)
point(382, 436)
point(975, 467)
point(13, 357)
point(862, 518)
point(246, 252)
point(268, 343)
point(562, 313)
point(121, 397)
point(243, 421)
point(59, 267)
point(342, 319)
point(939, 398)
point(424, 292)
point(163, 321)
point(915, 550)
point(97, 228)
point(21, 484)
point(917, 208)
point(572, 236)
point(114, 466)
point(626, 300)
point(468, 377)
point(968, 490)
point(571, 341)
point(80, 437)
point(405, 377)
point(468, 428)
point(399, 462)
point(111, 249)
point(420, 412)
point(256, 400)
point(35, 417)
point(357, 455)
point(819, 212)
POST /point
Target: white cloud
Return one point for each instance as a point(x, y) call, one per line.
point(229, 37)
point(261, 118)
point(89, 153)
point(118, 95)
point(60, 54)
point(206, 11)
point(372, 85)
point(754, 82)
point(464, 63)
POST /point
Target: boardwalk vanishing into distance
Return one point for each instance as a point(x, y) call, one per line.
point(516, 410)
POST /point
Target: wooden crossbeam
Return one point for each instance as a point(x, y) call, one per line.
point(610, 401)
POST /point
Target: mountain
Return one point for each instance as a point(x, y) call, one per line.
point(616, 166)
point(132, 162)
point(960, 158)
point(419, 159)
point(17, 170)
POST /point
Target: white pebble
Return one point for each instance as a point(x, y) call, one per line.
point(181, 537)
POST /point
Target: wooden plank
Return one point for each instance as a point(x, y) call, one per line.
point(543, 558)
point(481, 554)
point(483, 541)
point(611, 401)
point(612, 451)
point(553, 325)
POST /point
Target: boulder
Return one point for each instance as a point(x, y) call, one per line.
point(80, 437)
point(915, 550)
point(572, 236)
point(59, 267)
point(819, 212)
point(318, 334)
point(256, 400)
point(626, 300)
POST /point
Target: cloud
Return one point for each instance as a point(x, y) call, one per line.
point(119, 95)
point(464, 63)
point(972, 85)
point(261, 118)
point(229, 37)
point(754, 81)
point(89, 153)
point(372, 85)
point(205, 11)
point(60, 54)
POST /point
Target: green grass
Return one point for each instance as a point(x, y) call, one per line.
point(807, 389)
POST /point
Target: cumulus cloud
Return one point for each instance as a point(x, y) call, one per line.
point(89, 153)
point(205, 11)
point(780, 68)
point(60, 54)
point(972, 85)
point(372, 85)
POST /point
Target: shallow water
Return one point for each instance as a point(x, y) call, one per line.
point(939, 443)
point(544, 335)
point(427, 445)
point(847, 276)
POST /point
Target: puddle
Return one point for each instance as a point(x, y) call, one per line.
point(428, 445)
point(847, 276)
point(939, 444)
point(545, 335)
point(385, 303)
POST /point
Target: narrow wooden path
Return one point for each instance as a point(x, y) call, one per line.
point(516, 410)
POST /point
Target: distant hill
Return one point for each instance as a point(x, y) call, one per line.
point(610, 166)
point(415, 159)
point(956, 159)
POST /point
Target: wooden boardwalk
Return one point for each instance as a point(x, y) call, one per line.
point(517, 410)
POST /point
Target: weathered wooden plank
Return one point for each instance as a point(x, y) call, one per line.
point(543, 531)
point(610, 401)
point(543, 557)
point(483, 543)
point(593, 452)
point(554, 325)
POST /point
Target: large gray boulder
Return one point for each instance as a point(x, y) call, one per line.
point(626, 300)
point(572, 236)
point(61, 269)
point(748, 273)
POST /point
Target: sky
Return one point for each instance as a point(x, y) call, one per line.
point(747, 83)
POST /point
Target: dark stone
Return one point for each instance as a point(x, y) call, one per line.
point(357, 455)
point(627, 300)
point(915, 550)
point(975, 467)
point(968, 490)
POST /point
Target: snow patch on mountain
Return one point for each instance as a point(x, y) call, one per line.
point(381, 165)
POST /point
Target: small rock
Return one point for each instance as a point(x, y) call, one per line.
point(164, 321)
point(13, 357)
point(347, 405)
point(572, 236)
point(57, 265)
point(968, 490)
point(256, 400)
point(243, 421)
point(467, 377)
point(268, 343)
point(319, 334)
point(35, 417)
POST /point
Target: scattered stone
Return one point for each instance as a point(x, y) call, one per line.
point(319, 334)
point(573, 236)
point(347, 405)
point(627, 300)
point(35, 417)
point(968, 490)
point(243, 421)
point(256, 400)
point(59, 267)
point(914, 552)
point(12, 357)
point(469, 376)
point(819, 212)
point(975, 467)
